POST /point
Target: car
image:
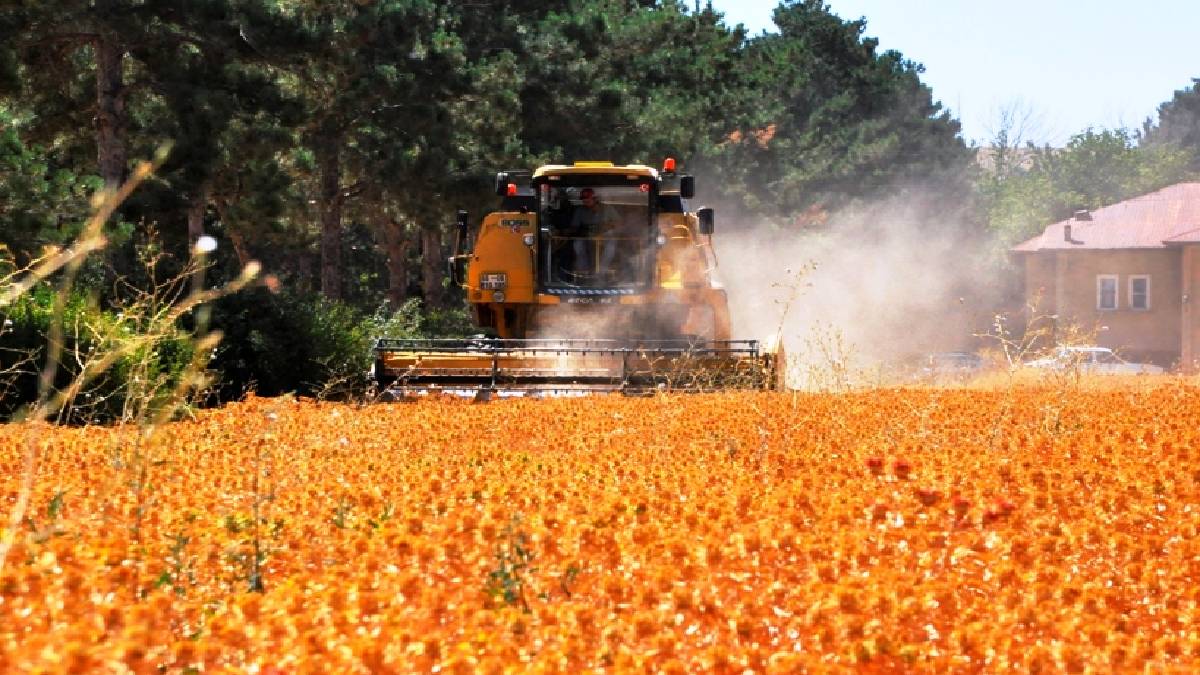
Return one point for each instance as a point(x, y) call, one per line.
point(1092, 359)
point(951, 363)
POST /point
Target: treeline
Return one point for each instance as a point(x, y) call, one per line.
point(1022, 187)
point(333, 140)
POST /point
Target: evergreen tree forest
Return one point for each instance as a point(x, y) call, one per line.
point(333, 141)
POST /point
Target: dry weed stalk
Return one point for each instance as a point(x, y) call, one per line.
point(829, 363)
point(1042, 336)
point(155, 314)
point(794, 286)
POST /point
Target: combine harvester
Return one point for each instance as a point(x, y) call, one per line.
point(592, 277)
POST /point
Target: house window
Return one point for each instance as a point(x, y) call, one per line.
point(1106, 291)
point(1139, 291)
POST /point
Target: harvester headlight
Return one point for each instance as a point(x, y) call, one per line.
point(527, 240)
point(498, 296)
point(660, 240)
point(493, 281)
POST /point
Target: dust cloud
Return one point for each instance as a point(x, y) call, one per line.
point(870, 288)
point(579, 322)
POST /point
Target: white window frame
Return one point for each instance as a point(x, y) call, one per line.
point(1116, 282)
point(1132, 277)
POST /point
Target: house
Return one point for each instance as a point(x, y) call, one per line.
point(1129, 271)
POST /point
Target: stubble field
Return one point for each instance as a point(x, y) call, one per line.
point(935, 529)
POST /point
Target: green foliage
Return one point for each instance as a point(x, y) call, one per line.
point(144, 377)
point(327, 139)
point(441, 322)
point(50, 526)
point(42, 202)
point(847, 123)
point(514, 563)
point(612, 80)
point(1096, 168)
point(285, 117)
point(1179, 124)
point(308, 345)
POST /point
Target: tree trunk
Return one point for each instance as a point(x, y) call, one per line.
point(396, 245)
point(239, 247)
point(304, 264)
point(328, 153)
point(110, 110)
point(235, 235)
point(432, 264)
point(195, 214)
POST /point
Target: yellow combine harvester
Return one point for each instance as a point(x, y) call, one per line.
point(591, 277)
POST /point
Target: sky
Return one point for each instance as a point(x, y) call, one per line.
point(1061, 65)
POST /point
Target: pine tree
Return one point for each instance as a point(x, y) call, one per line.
point(839, 120)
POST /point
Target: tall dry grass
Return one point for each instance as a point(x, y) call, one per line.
point(153, 315)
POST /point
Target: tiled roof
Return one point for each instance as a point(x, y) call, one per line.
point(1169, 216)
point(1189, 237)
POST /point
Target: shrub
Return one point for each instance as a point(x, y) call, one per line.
point(308, 345)
point(139, 382)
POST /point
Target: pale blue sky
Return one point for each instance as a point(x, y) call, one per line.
point(1072, 64)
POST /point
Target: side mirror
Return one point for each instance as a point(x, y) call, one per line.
point(456, 267)
point(502, 184)
point(708, 220)
point(687, 186)
point(460, 231)
point(461, 228)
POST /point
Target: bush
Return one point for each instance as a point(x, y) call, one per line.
point(139, 383)
point(307, 345)
point(272, 344)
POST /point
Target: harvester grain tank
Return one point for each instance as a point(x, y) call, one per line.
point(590, 277)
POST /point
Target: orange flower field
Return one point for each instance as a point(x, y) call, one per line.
point(930, 530)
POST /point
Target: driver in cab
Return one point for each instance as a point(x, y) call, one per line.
point(593, 219)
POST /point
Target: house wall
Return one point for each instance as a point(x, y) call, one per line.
point(1041, 297)
point(1040, 290)
point(1151, 335)
point(1190, 286)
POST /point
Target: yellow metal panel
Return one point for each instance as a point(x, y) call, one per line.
point(595, 169)
point(681, 261)
point(499, 248)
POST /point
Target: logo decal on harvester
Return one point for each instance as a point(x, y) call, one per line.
point(514, 224)
point(590, 291)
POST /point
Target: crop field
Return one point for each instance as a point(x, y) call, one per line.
point(1038, 528)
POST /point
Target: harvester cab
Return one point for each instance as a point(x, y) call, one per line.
point(589, 277)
